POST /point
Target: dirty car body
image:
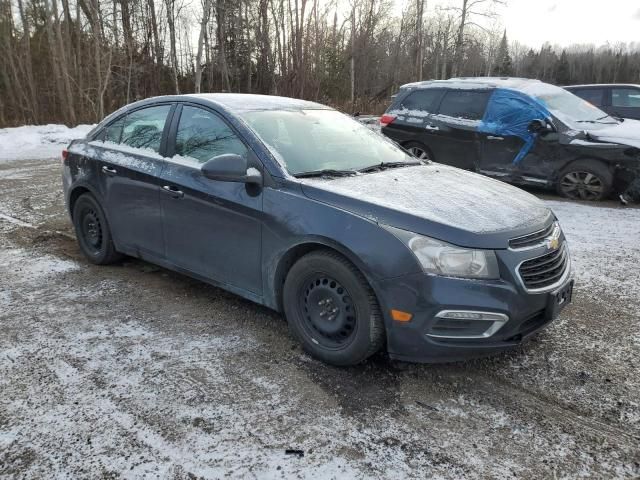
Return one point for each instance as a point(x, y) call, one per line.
point(251, 193)
point(517, 130)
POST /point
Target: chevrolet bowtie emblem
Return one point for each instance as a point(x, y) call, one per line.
point(553, 243)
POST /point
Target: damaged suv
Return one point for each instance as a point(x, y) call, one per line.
point(517, 130)
point(300, 208)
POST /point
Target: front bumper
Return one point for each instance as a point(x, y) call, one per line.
point(427, 296)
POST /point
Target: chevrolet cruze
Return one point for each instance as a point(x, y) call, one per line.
point(300, 208)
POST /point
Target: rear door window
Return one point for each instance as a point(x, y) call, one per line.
point(592, 95)
point(203, 135)
point(625, 97)
point(425, 100)
point(143, 128)
point(467, 104)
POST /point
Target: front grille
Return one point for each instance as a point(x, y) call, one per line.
point(546, 270)
point(531, 239)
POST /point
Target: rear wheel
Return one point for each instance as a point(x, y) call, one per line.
point(418, 150)
point(332, 310)
point(92, 231)
point(585, 180)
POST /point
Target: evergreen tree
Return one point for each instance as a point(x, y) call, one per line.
point(503, 67)
point(563, 75)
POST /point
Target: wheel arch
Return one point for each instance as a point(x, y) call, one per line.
point(75, 193)
point(298, 250)
point(609, 165)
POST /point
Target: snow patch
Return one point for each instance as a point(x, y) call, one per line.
point(601, 240)
point(17, 265)
point(32, 142)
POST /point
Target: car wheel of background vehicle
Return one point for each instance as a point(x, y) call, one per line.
point(92, 231)
point(418, 150)
point(332, 310)
point(585, 180)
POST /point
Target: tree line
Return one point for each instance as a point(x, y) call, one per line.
point(73, 61)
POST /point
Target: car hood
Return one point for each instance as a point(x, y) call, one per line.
point(436, 200)
point(626, 133)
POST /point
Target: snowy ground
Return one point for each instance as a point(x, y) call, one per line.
point(131, 371)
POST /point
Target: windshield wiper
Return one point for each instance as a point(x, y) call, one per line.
point(326, 172)
point(385, 165)
point(596, 120)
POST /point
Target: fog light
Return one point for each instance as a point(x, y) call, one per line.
point(466, 324)
point(468, 315)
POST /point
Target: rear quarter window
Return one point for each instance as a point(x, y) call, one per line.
point(425, 100)
point(467, 104)
point(112, 132)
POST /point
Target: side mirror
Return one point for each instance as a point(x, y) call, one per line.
point(540, 126)
point(230, 168)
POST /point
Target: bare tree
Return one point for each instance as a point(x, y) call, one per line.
point(206, 11)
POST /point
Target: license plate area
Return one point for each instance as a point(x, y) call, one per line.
point(559, 299)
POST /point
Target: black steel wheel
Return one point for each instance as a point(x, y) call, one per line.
point(92, 231)
point(585, 180)
point(332, 310)
point(327, 311)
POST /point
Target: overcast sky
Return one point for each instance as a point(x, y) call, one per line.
point(562, 22)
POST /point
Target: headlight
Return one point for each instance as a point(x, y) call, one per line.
point(442, 258)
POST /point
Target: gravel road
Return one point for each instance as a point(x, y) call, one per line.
point(133, 371)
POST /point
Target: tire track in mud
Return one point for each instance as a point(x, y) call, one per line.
point(547, 406)
point(536, 407)
point(534, 401)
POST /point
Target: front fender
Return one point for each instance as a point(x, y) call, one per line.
point(296, 223)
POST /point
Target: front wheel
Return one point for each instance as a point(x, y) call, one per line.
point(585, 180)
point(92, 231)
point(332, 310)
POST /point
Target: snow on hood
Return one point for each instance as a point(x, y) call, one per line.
point(627, 133)
point(440, 194)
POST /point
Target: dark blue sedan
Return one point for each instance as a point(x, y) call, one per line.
point(300, 208)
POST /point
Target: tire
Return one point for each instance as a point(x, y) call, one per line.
point(585, 180)
point(418, 150)
point(92, 231)
point(332, 310)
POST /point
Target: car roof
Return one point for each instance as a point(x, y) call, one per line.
point(603, 85)
point(474, 82)
point(231, 102)
point(247, 101)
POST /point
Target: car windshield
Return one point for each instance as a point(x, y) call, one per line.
point(573, 110)
point(322, 140)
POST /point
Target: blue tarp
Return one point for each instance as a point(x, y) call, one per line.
point(509, 113)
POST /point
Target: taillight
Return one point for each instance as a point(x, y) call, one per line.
point(65, 154)
point(386, 119)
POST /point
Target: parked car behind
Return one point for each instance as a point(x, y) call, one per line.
point(300, 208)
point(618, 100)
point(518, 130)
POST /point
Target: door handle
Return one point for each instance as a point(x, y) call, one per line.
point(109, 170)
point(491, 137)
point(433, 128)
point(173, 191)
